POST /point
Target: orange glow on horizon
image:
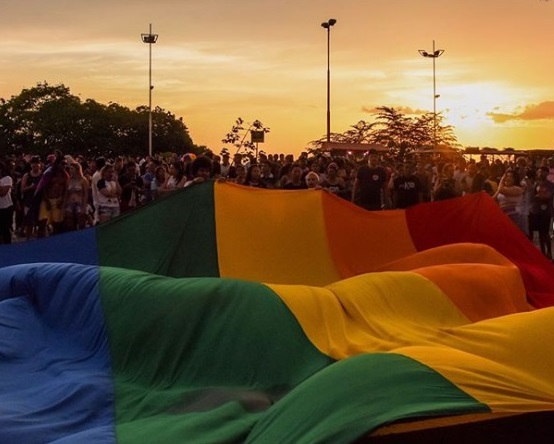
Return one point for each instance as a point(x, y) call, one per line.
point(216, 61)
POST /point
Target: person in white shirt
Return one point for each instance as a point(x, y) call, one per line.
point(109, 192)
point(6, 204)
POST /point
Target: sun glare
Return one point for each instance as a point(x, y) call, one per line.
point(469, 106)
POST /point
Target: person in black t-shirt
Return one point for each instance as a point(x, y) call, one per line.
point(370, 184)
point(406, 188)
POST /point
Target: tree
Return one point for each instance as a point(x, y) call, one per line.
point(48, 117)
point(239, 133)
point(401, 134)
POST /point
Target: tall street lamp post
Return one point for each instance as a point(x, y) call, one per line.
point(433, 55)
point(327, 25)
point(150, 39)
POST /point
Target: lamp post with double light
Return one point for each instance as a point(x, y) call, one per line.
point(150, 39)
point(435, 54)
point(327, 25)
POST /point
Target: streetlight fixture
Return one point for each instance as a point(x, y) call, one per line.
point(150, 39)
point(433, 55)
point(327, 25)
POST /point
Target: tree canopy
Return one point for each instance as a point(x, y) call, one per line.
point(48, 117)
point(401, 134)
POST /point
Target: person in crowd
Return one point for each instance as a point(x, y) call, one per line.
point(131, 187)
point(497, 170)
point(254, 177)
point(332, 182)
point(312, 181)
point(541, 210)
point(232, 170)
point(216, 168)
point(460, 172)
point(240, 175)
point(201, 169)
point(349, 184)
point(445, 187)
point(29, 184)
point(527, 184)
point(473, 181)
point(49, 194)
point(295, 181)
point(175, 179)
point(100, 162)
point(6, 204)
point(75, 199)
point(159, 181)
point(225, 164)
point(119, 165)
point(405, 187)
point(187, 162)
point(109, 192)
point(424, 175)
point(508, 195)
point(284, 175)
point(147, 178)
point(520, 169)
point(550, 165)
point(267, 177)
point(370, 185)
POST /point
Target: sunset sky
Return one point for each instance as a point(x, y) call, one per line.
point(216, 60)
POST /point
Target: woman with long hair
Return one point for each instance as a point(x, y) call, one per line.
point(254, 177)
point(76, 198)
point(175, 178)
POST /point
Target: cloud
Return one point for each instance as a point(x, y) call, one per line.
point(542, 111)
point(403, 109)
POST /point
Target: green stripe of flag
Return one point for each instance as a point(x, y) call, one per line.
point(355, 396)
point(199, 360)
point(174, 236)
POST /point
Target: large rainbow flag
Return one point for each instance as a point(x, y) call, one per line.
point(223, 314)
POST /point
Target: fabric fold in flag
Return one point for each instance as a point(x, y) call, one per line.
point(144, 357)
point(225, 314)
point(290, 237)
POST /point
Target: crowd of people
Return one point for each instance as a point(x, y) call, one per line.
point(41, 197)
